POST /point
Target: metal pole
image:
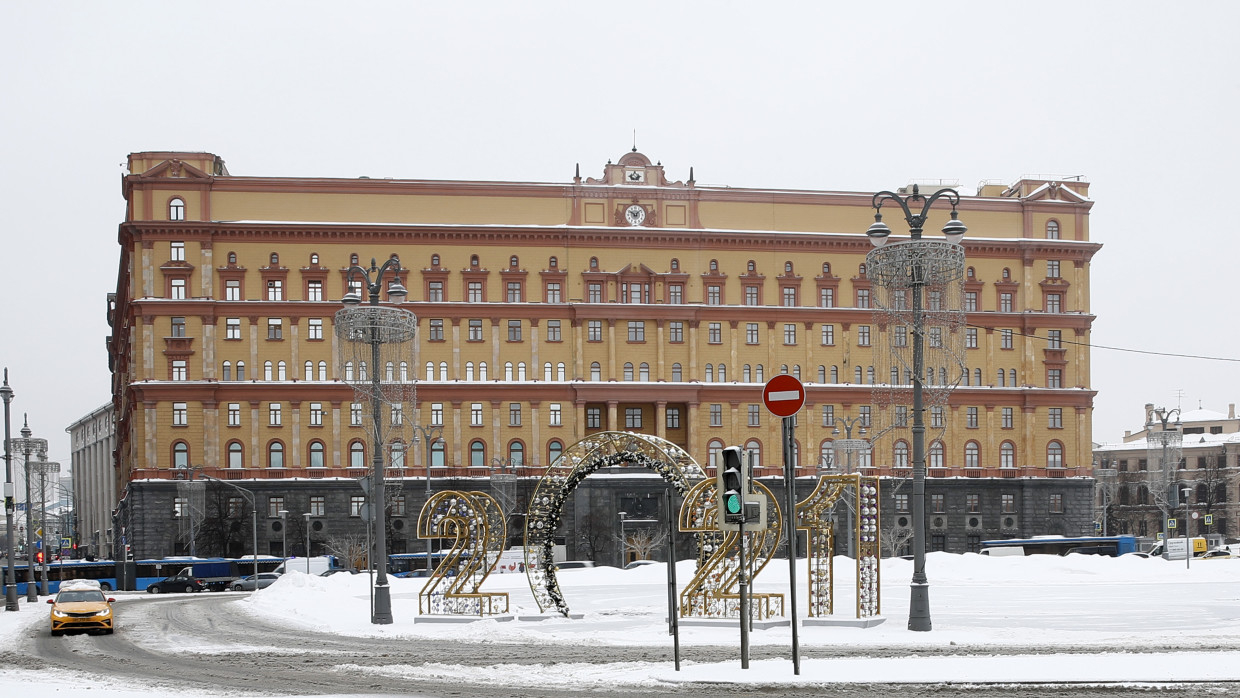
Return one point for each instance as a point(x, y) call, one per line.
point(1188, 541)
point(429, 437)
point(10, 587)
point(383, 601)
point(284, 537)
point(919, 598)
point(743, 584)
point(43, 528)
point(673, 626)
point(306, 516)
point(790, 505)
point(32, 591)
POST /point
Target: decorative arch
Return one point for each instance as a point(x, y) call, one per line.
point(602, 450)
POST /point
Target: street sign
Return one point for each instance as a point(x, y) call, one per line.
point(1195, 515)
point(1209, 519)
point(1170, 523)
point(783, 395)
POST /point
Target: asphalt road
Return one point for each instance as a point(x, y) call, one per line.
point(310, 664)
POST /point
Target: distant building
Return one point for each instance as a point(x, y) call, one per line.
point(93, 489)
point(550, 311)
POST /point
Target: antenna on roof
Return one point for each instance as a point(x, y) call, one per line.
point(634, 140)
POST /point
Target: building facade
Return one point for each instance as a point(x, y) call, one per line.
point(550, 311)
point(1137, 495)
point(93, 440)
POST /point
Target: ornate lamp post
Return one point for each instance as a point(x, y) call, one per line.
point(29, 446)
point(1188, 541)
point(429, 435)
point(1168, 444)
point(910, 266)
point(10, 585)
point(375, 326)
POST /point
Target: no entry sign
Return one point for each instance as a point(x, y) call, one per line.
point(783, 395)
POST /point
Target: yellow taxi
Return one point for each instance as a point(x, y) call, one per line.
point(80, 606)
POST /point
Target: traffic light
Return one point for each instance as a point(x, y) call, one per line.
point(732, 486)
point(38, 557)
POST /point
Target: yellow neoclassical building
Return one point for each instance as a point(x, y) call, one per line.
point(550, 311)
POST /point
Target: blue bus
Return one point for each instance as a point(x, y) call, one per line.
point(1114, 546)
point(102, 571)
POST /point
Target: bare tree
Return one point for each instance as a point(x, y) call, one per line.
point(894, 538)
point(593, 534)
point(349, 547)
point(643, 541)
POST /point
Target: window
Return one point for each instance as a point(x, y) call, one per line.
point(673, 418)
point(971, 417)
point(826, 298)
point(714, 453)
point(863, 335)
point(971, 455)
point(594, 418)
point(232, 290)
point(675, 294)
point(716, 415)
point(434, 292)
point(554, 419)
point(632, 418)
point(474, 335)
point(514, 292)
point(234, 414)
point(1005, 302)
point(789, 296)
point(714, 295)
point(435, 330)
point(275, 455)
point(355, 414)
point(316, 414)
point(180, 455)
point(514, 414)
point(1054, 455)
point(936, 337)
point(899, 336)
point(318, 505)
point(514, 330)
point(637, 331)
point(1054, 339)
point(751, 295)
point(790, 333)
point(553, 330)
point(1052, 268)
point(274, 506)
point(176, 212)
point(901, 419)
point(863, 298)
point(594, 330)
point(936, 417)
point(473, 291)
point(596, 371)
point(973, 502)
point(938, 504)
point(1054, 378)
point(356, 502)
point(314, 291)
point(900, 454)
point(676, 332)
point(275, 328)
point(755, 416)
point(179, 370)
point(751, 333)
point(594, 292)
point(1008, 503)
point(274, 414)
point(1007, 418)
point(1054, 418)
point(828, 415)
point(676, 373)
point(970, 301)
point(553, 294)
point(1005, 339)
point(316, 454)
point(396, 455)
point(643, 372)
point(1007, 455)
point(901, 502)
point(935, 457)
point(178, 289)
point(180, 414)
point(1056, 503)
point(475, 414)
point(1052, 230)
point(1054, 302)
point(357, 455)
point(828, 335)
point(970, 338)
point(714, 333)
point(275, 290)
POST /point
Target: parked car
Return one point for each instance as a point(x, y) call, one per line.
point(81, 607)
point(1219, 554)
point(574, 565)
point(178, 582)
point(334, 570)
point(247, 583)
point(639, 563)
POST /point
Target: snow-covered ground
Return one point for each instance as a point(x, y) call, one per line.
point(1035, 619)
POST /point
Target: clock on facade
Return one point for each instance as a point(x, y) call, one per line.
point(635, 215)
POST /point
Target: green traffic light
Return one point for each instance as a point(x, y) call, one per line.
point(733, 503)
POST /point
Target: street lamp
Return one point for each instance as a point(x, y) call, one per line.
point(306, 516)
point(10, 587)
point(376, 326)
point(253, 517)
point(624, 542)
point(29, 446)
point(1188, 542)
point(43, 467)
point(284, 536)
point(1169, 443)
point(911, 266)
point(429, 435)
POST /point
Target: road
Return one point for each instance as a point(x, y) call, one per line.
point(152, 632)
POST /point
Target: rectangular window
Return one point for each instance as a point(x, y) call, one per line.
point(1005, 339)
point(1054, 378)
point(594, 418)
point(901, 502)
point(673, 418)
point(751, 333)
point(755, 416)
point(514, 291)
point(356, 502)
point(234, 507)
point(178, 252)
point(970, 301)
point(1007, 417)
point(899, 336)
point(274, 414)
point(316, 414)
point(637, 331)
point(434, 292)
point(275, 290)
point(790, 333)
point(437, 414)
point(632, 418)
point(275, 328)
point(935, 301)
point(553, 292)
point(1005, 302)
point(232, 290)
point(971, 417)
point(555, 419)
point(1054, 302)
point(474, 292)
point(475, 414)
point(938, 503)
point(355, 414)
point(594, 292)
point(594, 330)
point(936, 337)
point(178, 327)
point(315, 328)
point(675, 332)
point(970, 338)
point(1008, 503)
point(863, 335)
point(714, 333)
point(179, 370)
point(1056, 503)
point(751, 295)
point(828, 335)
point(714, 295)
point(314, 291)
point(234, 414)
point(553, 330)
point(826, 298)
point(789, 294)
point(716, 415)
point(178, 289)
point(675, 294)
point(901, 415)
point(180, 414)
point(514, 414)
point(435, 333)
point(828, 415)
point(864, 414)
point(936, 417)
point(398, 506)
point(1054, 339)
point(318, 505)
point(475, 331)
point(1052, 268)
point(973, 502)
point(274, 506)
point(1054, 418)
point(863, 298)
point(514, 330)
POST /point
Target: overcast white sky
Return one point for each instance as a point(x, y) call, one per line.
point(1140, 97)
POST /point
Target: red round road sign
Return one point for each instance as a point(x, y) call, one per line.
point(783, 395)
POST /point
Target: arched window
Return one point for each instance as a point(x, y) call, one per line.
point(434, 260)
point(477, 454)
point(473, 260)
point(747, 373)
point(1002, 378)
point(714, 265)
point(1007, 274)
point(548, 373)
point(389, 372)
point(714, 453)
point(267, 371)
point(437, 454)
point(275, 259)
point(826, 455)
point(430, 370)
point(710, 373)
point(236, 456)
point(643, 372)
point(1012, 377)
point(357, 455)
point(309, 370)
point(857, 374)
point(936, 455)
point(559, 371)
point(180, 455)
point(628, 371)
point(753, 453)
point(553, 263)
point(443, 371)
point(596, 372)
point(282, 371)
point(397, 455)
point(869, 375)
point(176, 209)
point(513, 261)
point(861, 269)
point(316, 454)
point(240, 370)
point(826, 269)
point(482, 370)
point(757, 376)
point(835, 374)
point(507, 370)
point(899, 455)
point(353, 259)
point(1052, 230)
point(822, 374)
point(232, 258)
point(516, 453)
point(971, 456)
point(750, 266)
point(796, 371)
point(723, 373)
point(977, 376)
point(594, 262)
point(1007, 455)
point(1054, 455)
point(677, 375)
point(314, 258)
point(520, 370)
point(554, 450)
point(322, 370)
point(675, 264)
point(227, 373)
point(275, 455)
point(787, 267)
point(469, 370)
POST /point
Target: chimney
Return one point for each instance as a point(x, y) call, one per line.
point(1231, 411)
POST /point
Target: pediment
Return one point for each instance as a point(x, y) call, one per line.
point(174, 169)
point(1056, 191)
